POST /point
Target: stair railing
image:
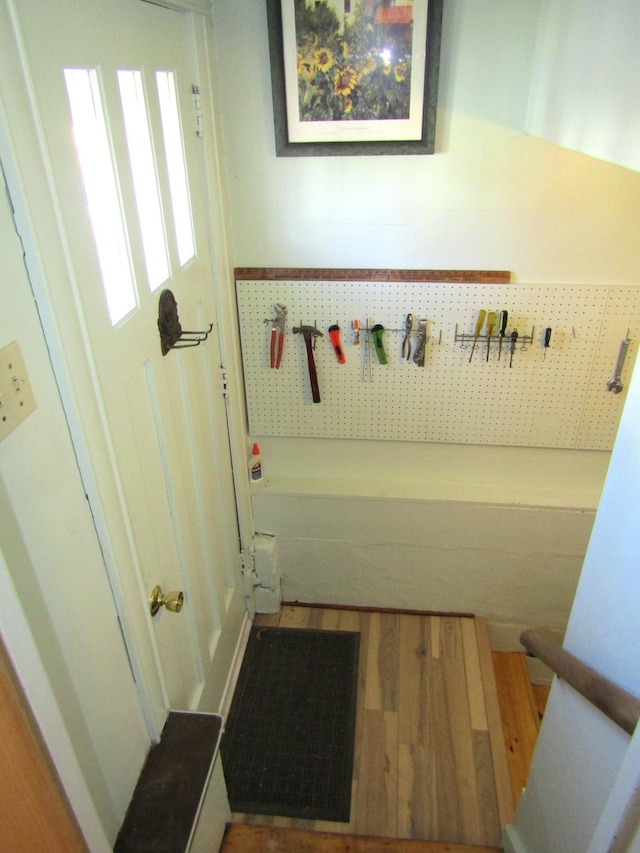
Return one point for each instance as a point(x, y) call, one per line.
point(618, 704)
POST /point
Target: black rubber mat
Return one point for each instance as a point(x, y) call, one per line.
point(288, 743)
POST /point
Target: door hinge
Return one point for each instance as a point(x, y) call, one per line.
point(225, 380)
point(195, 90)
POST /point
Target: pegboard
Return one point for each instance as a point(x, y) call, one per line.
point(558, 400)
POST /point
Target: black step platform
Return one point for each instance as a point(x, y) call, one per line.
point(168, 796)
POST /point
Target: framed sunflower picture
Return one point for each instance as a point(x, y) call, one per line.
point(354, 76)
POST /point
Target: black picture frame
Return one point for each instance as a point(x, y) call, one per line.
point(425, 145)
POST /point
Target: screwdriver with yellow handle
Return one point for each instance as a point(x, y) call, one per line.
point(491, 324)
point(479, 324)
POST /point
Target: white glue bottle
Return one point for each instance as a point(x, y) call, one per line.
point(255, 465)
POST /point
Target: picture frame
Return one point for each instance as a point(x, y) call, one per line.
point(327, 103)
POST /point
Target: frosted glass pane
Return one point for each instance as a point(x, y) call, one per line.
point(101, 189)
point(176, 165)
point(143, 170)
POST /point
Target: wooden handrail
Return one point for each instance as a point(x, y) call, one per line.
point(619, 705)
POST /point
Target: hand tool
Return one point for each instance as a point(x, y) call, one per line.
point(479, 324)
point(310, 333)
point(514, 341)
point(421, 342)
point(504, 315)
point(547, 339)
point(376, 335)
point(491, 324)
point(279, 322)
point(355, 325)
point(406, 343)
point(614, 384)
point(366, 349)
point(334, 337)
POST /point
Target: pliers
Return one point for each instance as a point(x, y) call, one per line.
point(277, 335)
point(406, 343)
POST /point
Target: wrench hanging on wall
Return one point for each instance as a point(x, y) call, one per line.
point(615, 384)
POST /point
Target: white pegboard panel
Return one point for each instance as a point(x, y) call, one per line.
point(558, 401)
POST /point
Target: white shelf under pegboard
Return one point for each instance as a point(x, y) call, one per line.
point(559, 400)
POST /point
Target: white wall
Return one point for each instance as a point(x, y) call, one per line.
point(491, 197)
point(587, 99)
point(579, 777)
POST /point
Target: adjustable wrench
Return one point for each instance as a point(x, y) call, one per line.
point(614, 384)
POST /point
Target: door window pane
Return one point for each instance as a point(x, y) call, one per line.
point(143, 170)
point(101, 190)
point(176, 165)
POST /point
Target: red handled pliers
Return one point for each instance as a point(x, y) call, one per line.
point(277, 336)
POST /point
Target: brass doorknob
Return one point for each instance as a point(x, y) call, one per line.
point(172, 600)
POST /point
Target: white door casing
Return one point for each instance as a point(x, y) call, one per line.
point(164, 484)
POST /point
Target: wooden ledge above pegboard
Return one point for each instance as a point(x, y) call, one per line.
point(315, 274)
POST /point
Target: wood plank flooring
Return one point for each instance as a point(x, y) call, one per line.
point(429, 744)
point(241, 838)
point(521, 708)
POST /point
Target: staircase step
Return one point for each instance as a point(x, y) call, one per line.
point(520, 712)
point(246, 838)
point(169, 795)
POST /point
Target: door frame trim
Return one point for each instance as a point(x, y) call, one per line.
point(34, 681)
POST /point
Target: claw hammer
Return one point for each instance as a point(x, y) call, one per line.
point(309, 333)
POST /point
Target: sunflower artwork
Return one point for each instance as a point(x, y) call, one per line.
point(358, 63)
point(353, 67)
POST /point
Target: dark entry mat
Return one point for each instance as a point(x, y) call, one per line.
point(288, 745)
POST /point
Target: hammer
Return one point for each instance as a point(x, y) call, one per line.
point(310, 332)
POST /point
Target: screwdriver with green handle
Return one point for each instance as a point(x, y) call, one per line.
point(491, 324)
point(479, 324)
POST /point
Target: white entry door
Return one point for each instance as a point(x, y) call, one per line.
point(113, 86)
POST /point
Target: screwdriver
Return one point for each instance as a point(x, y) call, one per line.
point(514, 341)
point(479, 324)
point(503, 328)
point(491, 324)
point(547, 338)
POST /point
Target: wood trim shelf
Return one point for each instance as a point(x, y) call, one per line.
point(333, 274)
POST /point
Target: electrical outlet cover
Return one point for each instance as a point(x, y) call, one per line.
point(16, 396)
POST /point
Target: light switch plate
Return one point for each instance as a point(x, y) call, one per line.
point(16, 396)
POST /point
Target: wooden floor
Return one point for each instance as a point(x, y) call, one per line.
point(430, 761)
point(242, 838)
point(521, 707)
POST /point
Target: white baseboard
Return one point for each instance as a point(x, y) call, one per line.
point(234, 670)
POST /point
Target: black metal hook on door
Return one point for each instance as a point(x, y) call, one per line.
point(172, 335)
